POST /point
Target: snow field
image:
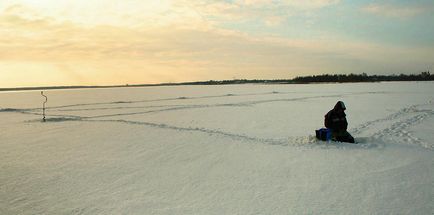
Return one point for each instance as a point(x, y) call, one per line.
point(238, 149)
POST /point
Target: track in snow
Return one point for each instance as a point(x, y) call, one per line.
point(394, 127)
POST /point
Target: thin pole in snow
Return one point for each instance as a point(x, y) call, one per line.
point(43, 105)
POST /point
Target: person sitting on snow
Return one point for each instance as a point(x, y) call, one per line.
point(336, 121)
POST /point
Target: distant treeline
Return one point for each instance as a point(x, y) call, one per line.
point(339, 78)
point(336, 78)
point(424, 76)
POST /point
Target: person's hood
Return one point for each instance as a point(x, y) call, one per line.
point(340, 106)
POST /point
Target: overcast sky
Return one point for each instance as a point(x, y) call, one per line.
point(101, 42)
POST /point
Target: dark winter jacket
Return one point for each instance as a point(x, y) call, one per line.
point(335, 119)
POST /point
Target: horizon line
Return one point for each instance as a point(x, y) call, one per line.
point(221, 82)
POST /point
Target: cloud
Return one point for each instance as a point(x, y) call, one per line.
point(273, 20)
point(311, 4)
point(307, 4)
point(131, 13)
point(273, 12)
point(190, 48)
point(395, 11)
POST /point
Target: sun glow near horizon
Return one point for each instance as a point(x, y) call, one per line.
point(94, 42)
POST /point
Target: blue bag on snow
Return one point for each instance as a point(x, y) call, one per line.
point(324, 134)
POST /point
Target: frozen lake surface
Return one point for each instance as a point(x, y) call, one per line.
point(234, 149)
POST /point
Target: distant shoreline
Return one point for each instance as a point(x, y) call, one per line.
point(320, 79)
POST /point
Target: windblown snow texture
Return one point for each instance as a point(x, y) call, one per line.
point(237, 149)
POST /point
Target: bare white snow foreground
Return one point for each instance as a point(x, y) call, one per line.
point(242, 149)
